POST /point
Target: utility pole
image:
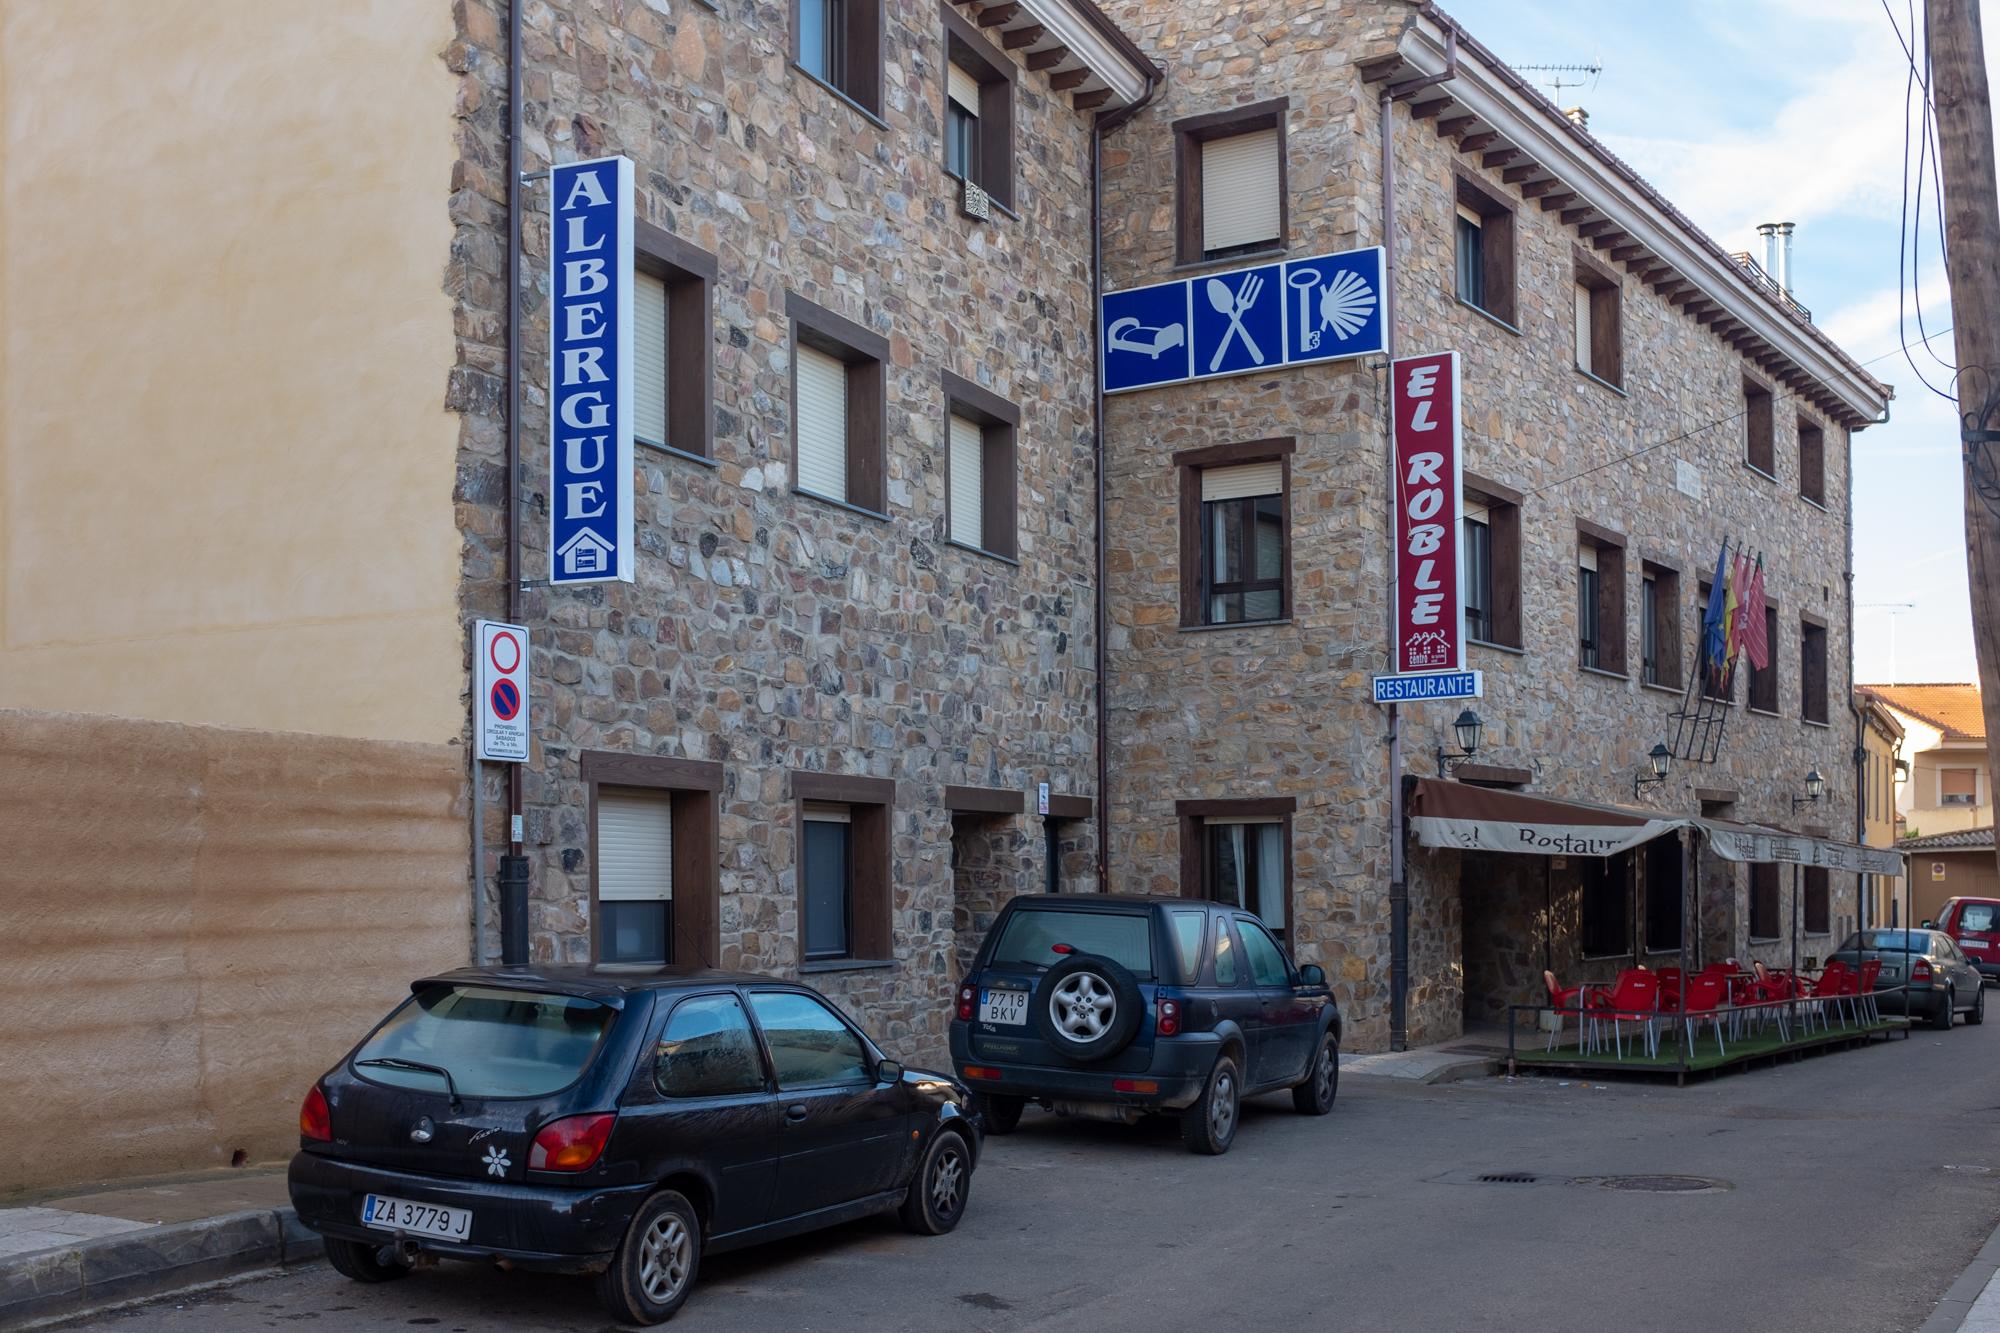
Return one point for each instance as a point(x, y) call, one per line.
point(1972, 248)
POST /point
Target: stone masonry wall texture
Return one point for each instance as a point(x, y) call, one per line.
point(1280, 709)
point(767, 630)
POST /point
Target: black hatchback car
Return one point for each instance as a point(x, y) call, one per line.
point(618, 1123)
point(1110, 1008)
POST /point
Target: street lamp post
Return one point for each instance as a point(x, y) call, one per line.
point(1660, 759)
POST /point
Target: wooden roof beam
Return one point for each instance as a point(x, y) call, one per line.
point(1096, 97)
point(1425, 110)
point(1064, 80)
point(1450, 127)
point(1499, 157)
point(1473, 143)
point(1515, 175)
point(1535, 188)
point(1049, 58)
point(1016, 38)
point(1560, 199)
point(1377, 68)
point(1572, 216)
point(995, 15)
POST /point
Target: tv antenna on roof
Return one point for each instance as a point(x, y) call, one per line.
point(1558, 82)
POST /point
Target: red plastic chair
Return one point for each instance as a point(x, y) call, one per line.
point(1634, 998)
point(1671, 984)
point(1871, 972)
point(1704, 996)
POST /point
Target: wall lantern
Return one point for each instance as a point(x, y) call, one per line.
point(1815, 788)
point(1660, 759)
point(1467, 728)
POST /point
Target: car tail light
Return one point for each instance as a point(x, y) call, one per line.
point(1062, 948)
point(1134, 1085)
point(1920, 970)
point(1168, 1023)
point(573, 1144)
point(965, 1004)
point(315, 1121)
point(982, 1071)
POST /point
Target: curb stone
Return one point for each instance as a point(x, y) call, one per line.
point(76, 1279)
point(1956, 1304)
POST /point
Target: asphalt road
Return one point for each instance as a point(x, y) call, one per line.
point(1852, 1189)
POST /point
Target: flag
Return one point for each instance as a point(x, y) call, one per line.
point(1732, 607)
point(1713, 627)
point(1756, 642)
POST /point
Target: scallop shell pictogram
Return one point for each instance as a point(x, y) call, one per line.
point(1346, 303)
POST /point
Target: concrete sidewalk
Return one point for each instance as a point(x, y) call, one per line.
point(1973, 1303)
point(1430, 1064)
point(63, 1254)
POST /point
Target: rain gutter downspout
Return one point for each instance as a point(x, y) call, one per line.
point(513, 866)
point(1861, 921)
point(1103, 124)
point(1399, 888)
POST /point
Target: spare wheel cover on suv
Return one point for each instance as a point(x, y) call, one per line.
point(1087, 1007)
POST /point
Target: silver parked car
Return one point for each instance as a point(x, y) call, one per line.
point(1942, 980)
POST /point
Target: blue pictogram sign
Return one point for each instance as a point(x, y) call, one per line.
point(506, 698)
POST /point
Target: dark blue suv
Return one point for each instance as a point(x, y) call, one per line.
point(1110, 1008)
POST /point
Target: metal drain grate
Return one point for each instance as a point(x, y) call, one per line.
point(1506, 1178)
point(1657, 1184)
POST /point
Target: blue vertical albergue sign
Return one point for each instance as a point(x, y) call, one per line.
point(590, 371)
point(1288, 313)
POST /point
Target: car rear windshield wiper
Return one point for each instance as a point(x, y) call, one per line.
point(392, 1062)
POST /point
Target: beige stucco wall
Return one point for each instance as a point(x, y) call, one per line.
point(225, 465)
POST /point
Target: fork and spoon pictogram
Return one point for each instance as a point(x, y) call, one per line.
point(1235, 304)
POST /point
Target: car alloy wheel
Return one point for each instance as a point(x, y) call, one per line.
point(1222, 1106)
point(947, 1180)
point(1324, 1075)
point(1083, 1006)
point(664, 1257)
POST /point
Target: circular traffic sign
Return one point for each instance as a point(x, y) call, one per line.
point(512, 651)
point(505, 697)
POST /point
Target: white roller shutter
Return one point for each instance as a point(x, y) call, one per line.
point(1583, 328)
point(822, 409)
point(963, 88)
point(649, 358)
point(1239, 190)
point(635, 845)
point(1476, 512)
point(1471, 216)
point(1243, 480)
point(1586, 558)
point(968, 482)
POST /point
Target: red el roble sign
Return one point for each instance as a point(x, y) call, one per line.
point(1429, 625)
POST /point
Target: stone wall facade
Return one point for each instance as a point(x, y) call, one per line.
point(769, 631)
point(1279, 710)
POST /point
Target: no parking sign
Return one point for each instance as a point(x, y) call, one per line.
point(503, 692)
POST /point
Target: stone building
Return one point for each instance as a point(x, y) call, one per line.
point(811, 735)
point(1633, 396)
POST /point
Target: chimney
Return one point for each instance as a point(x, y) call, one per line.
point(1578, 117)
point(1778, 253)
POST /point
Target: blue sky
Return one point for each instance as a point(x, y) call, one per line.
point(1793, 110)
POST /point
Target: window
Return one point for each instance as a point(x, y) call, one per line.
point(1817, 905)
point(1659, 619)
point(978, 110)
point(1812, 462)
point(980, 469)
point(839, 42)
point(1236, 565)
point(1032, 934)
point(1600, 598)
point(1764, 684)
point(672, 338)
point(1247, 868)
point(1606, 908)
point(1764, 900)
point(1664, 904)
point(655, 869)
point(1958, 786)
point(496, 1043)
point(1599, 336)
point(810, 1046)
point(635, 881)
point(1492, 533)
point(1230, 182)
point(1267, 960)
point(1485, 250)
point(838, 407)
point(1226, 972)
point(1239, 852)
point(1758, 448)
point(1812, 670)
point(843, 868)
point(1187, 941)
point(708, 1050)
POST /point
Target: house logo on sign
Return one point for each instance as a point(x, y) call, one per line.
point(585, 553)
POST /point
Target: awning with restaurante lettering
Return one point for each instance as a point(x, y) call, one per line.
point(1484, 819)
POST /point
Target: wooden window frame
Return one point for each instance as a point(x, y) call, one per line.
point(1812, 630)
point(1760, 448)
point(964, 47)
point(1607, 334)
point(1190, 133)
point(859, 78)
point(1496, 248)
point(1196, 861)
point(1612, 657)
point(689, 273)
point(1189, 464)
point(1812, 462)
point(691, 786)
point(1763, 690)
point(871, 803)
point(1608, 866)
point(1668, 668)
point(1000, 478)
point(866, 356)
point(1503, 522)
